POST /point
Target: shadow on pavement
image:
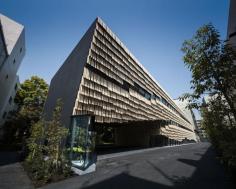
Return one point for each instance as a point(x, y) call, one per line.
point(127, 181)
point(208, 173)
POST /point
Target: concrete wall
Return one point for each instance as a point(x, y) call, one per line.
point(65, 83)
point(14, 36)
point(3, 49)
point(188, 113)
point(231, 33)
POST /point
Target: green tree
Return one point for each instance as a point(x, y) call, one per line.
point(47, 159)
point(35, 162)
point(221, 130)
point(210, 61)
point(31, 96)
point(36, 141)
point(30, 99)
point(56, 135)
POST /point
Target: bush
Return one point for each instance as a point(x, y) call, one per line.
point(221, 131)
point(47, 160)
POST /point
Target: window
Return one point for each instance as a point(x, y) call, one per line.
point(20, 49)
point(4, 115)
point(14, 61)
point(16, 86)
point(6, 76)
point(232, 34)
point(10, 100)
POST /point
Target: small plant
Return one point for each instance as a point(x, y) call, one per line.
point(46, 160)
point(55, 137)
point(35, 159)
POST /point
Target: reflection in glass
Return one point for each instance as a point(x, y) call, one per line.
point(81, 141)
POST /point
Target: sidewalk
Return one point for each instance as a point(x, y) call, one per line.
point(12, 175)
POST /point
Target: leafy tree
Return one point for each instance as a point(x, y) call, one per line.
point(211, 62)
point(46, 159)
point(31, 96)
point(55, 136)
point(30, 99)
point(221, 130)
point(35, 160)
point(35, 141)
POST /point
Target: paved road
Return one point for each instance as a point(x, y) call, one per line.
point(12, 174)
point(191, 166)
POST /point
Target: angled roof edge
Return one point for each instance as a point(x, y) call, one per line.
point(11, 32)
point(3, 38)
point(100, 21)
point(87, 34)
point(182, 106)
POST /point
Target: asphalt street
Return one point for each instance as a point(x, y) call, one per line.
point(12, 174)
point(192, 166)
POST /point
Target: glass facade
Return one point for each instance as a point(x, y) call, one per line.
point(81, 141)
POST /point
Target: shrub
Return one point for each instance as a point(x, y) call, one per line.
point(47, 160)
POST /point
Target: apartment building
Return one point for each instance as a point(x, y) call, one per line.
point(12, 51)
point(102, 78)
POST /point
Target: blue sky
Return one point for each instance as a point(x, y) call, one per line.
point(153, 30)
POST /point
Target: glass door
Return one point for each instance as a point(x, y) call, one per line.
point(81, 141)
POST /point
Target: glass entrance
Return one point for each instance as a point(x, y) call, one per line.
point(81, 141)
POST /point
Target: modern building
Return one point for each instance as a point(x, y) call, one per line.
point(231, 33)
point(12, 50)
point(201, 131)
point(188, 113)
point(102, 78)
